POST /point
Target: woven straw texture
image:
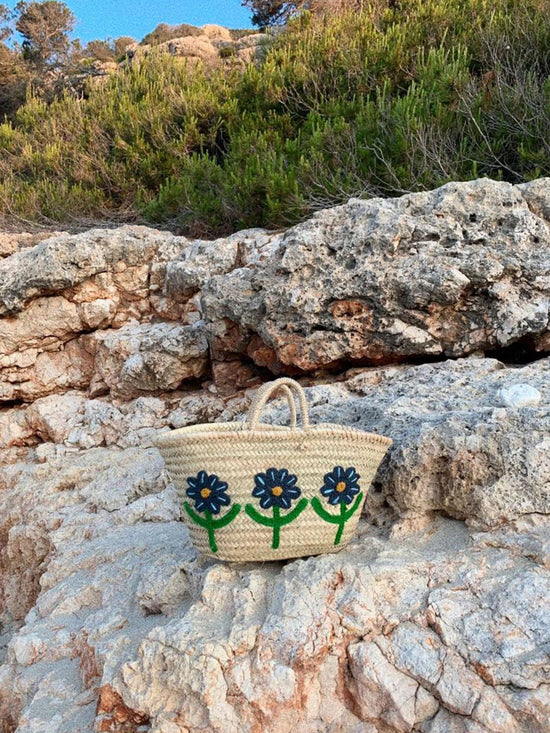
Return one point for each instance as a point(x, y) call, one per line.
point(236, 453)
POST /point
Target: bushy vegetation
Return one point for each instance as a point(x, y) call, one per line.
point(165, 32)
point(37, 53)
point(394, 96)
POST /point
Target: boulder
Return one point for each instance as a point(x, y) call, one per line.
point(150, 357)
point(67, 260)
point(54, 294)
point(460, 270)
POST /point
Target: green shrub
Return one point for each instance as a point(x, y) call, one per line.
point(164, 32)
point(401, 95)
point(227, 52)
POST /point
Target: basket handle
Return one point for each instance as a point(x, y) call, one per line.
point(291, 390)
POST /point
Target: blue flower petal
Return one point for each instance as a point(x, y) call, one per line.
point(293, 492)
point(217, 496)
point(272, 476)
point(266, 501)
point(266, 482)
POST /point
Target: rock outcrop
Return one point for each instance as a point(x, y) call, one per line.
point(451, 272)
point(435, 619)
point(210, 44)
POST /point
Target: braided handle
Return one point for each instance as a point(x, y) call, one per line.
point(291, 390)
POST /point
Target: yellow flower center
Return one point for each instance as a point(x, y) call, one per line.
point(276, 491)
point(205, 493)
point(340, 486)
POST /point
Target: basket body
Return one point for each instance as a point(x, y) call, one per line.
point(239, 457)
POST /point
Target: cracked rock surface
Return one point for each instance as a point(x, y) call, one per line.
point(435, 619)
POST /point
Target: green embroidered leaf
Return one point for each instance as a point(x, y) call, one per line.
point(291, 516)
point(211, 524)
point(194, 516)
point(322, 512)
point(257, 517)
point(227, 518)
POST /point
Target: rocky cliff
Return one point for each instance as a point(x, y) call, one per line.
point(425, 318)
point(210, 44)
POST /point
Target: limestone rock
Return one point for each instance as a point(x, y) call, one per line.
point(11, 242)
point(435, 619)
point(156, 357)
point(209, 45)
point(67, 260)
point(462, 269)
point(387, 635)
point(456, 449)
point(8, 244)
point(520, 395)
point(71, 285)
point(203, 260)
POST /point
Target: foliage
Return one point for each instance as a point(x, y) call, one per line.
point(45, 27)
point(381, 99)
point(13, 80)
point(164, 32)
point(108, 50)
point(273, 12)
point(43, 59)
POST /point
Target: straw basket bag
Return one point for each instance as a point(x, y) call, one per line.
point(253, 491)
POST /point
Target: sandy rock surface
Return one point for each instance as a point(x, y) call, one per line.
point(211, 45)
point(435, 619)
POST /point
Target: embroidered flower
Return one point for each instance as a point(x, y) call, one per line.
point(276, 487)
point(341, 485)
point(208, 492)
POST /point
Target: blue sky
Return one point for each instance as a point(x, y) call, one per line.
point(112, 18)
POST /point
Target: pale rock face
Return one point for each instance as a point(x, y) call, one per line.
point(456, 449)
point(65, 261)
point(11, 242)
point(8, 244)
point(51, 298)
point(202, 260)
point(434, 619)
point(212, 46)
point(143, 358)
point(450, 272)
point(397, 632)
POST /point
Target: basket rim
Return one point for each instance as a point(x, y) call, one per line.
point(235, 431)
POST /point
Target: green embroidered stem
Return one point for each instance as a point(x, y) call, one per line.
point(276, 528)
point(210, 524)
point(339, 519)
point(341, 525)
point(277, 521)
point(210, 528)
